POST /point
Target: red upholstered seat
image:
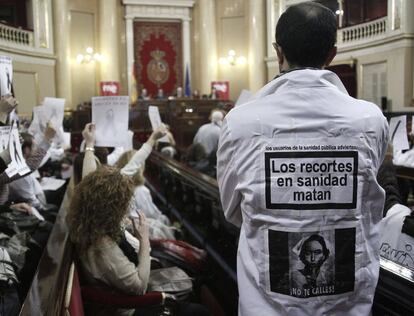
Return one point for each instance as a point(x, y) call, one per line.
point(105, 297)
point(73, 297)
point(76, 295)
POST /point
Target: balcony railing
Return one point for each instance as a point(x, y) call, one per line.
point(365, 32)
point(16, 37)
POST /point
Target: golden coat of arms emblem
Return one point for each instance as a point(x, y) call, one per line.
point(157, 69)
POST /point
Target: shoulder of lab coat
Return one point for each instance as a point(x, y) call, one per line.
point(227, 176)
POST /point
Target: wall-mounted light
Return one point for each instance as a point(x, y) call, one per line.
point(88, 57)
point(339, 12)
point(232, 59)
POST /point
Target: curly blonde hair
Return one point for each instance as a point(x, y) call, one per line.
point(98, 206)
point(138, 177)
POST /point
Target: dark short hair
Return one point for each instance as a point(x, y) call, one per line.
point(306, 32)
point(320, 240)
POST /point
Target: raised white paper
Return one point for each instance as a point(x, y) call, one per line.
point(4, 137)
point(18, 163)
point(129, 142)
point(36, 214)
point(6, 75)
point(54, 111)
point(110, 115)
point(51, 184)
point(155, 119)
point(398, 133)
point(244, 97)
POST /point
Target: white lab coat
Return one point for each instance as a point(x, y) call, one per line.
point(208, 136)
point(299, 129)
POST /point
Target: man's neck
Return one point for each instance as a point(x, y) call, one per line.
point(283, 72)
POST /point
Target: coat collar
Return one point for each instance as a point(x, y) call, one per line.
point(303, 77)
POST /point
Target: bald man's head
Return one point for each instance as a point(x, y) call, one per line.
point(306, 33)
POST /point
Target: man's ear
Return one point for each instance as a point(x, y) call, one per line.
point(331, 56)
point(280, 56)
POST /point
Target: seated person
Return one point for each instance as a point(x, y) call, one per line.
point(208, 134)
point(196, 158)
point(28, 188)
point(167, 148)
point(144, 95)
point(98, 207)
point(33, 161)
point(397, 239)
point(142, 203)
point(97, 210)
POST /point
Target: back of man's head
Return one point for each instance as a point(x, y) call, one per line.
point(306, 32)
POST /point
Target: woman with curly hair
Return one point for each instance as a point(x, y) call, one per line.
point(97, 210)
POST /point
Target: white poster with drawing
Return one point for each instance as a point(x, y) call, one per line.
point(398, 133)
point(38, 124)
point(6, 75)
point(18, 164)
point(4, 137)
point(110, 115)
point(155, 119)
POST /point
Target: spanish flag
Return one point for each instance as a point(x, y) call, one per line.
point(134, 92)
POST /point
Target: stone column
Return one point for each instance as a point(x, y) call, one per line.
point(62, 47)
point(208, 45)
point(130, 50)
point(257, 44)
point(109, 40)
point(186, 48)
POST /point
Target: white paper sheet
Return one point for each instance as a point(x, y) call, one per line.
point(155, 119)
point(36, 213)
point(244, 97)
point(129, 142)
point(39, 120)
point(66, 174)
point(18, 163)
point(6, 75)
point(54, 111)
point(110, 115)
point(4, 137)
point(51, 184)
point(412, 125)
point(398, 133)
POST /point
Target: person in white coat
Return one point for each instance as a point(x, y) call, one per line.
point(300, 159)
point(208, 134)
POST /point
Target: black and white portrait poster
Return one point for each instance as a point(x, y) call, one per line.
point(312, 263)
point(6, 75)
point(110, 115)
point(18, 163)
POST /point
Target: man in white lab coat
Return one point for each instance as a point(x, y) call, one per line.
point(297, 164)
